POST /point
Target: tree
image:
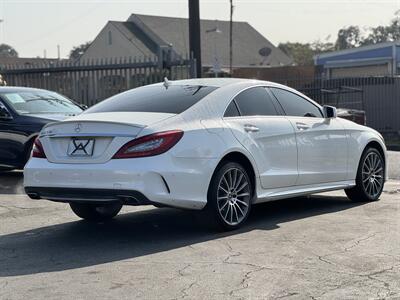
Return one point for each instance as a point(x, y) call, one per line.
point(319, 46)
point(348, 37)
point(7, 51)
point(377, 35)
point(394, 28)
point(77, 51)
point(302, 54)
point(381, 34)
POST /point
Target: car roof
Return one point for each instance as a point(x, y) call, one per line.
point(227, 88)
point(223, 82)
point(216, 82)
point(243, 82)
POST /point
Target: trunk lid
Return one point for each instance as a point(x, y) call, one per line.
point(94, 138)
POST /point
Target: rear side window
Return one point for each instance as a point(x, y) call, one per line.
point(295, 105)
point(232, 110)
point(255, 102)
point(174, 99)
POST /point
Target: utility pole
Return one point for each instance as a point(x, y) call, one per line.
point(230, 40)
point(194, 34)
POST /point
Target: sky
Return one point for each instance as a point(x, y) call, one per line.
point(33, 26)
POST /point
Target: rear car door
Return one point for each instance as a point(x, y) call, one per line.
point(322, 143)
point(255, 120)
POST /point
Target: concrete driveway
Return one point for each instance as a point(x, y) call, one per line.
point(321, 247)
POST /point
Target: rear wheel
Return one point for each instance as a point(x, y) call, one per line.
point(95, 212)
point(229, 196)
point(370, 177)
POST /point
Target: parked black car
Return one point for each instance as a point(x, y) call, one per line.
point(23, 113)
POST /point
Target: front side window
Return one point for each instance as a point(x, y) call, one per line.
point(157, 98)
point(40, 102)
point(294, 105)
point(255, 102)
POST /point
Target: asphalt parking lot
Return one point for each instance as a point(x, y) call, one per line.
point(319, 247)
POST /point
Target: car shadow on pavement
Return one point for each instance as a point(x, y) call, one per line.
point(79, 244)
point(11, 182)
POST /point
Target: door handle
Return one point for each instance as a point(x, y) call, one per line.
point(251, 128)
point(302, 126)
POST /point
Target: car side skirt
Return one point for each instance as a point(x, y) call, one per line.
point(295, 191)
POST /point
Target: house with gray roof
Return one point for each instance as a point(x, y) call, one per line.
point(166, 37)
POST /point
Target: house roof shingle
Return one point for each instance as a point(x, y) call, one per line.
point(246, 40)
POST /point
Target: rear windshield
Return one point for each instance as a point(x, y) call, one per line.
point(158, 98)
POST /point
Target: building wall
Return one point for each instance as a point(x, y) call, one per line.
point(354, 55)
point(373, 60)
point(363, 71)
point(115, 41)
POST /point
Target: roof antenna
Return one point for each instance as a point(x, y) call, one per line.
point(166, 83)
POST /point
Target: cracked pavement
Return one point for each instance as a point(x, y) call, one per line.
point(319, 247)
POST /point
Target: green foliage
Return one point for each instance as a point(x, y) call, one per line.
point(377, 35)
point(302, 54)
point(7, 51)
point(347, 37)
point(319, 46)
point(77, 51)
point(352, 36)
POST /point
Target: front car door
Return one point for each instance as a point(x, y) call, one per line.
point(322, 143)
point(253, 115)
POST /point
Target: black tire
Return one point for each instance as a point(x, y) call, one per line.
point(96, 212)
point(369, 180)
point(231, 212)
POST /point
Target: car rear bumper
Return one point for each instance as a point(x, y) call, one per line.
point(163, 179)
point(87, 195)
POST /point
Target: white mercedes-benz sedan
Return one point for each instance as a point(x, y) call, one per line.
point(218, 145)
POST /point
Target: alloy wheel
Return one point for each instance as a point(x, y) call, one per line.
point(373, 174)
point(234, 196)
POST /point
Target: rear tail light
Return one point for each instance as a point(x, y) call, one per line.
point(150, 145)
point(37, 150)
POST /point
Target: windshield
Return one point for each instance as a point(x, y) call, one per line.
point(156, 98)
point(40, 102)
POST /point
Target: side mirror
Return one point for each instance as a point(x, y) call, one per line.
point(83, 106)
point(4, 113)
point(329, 112)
